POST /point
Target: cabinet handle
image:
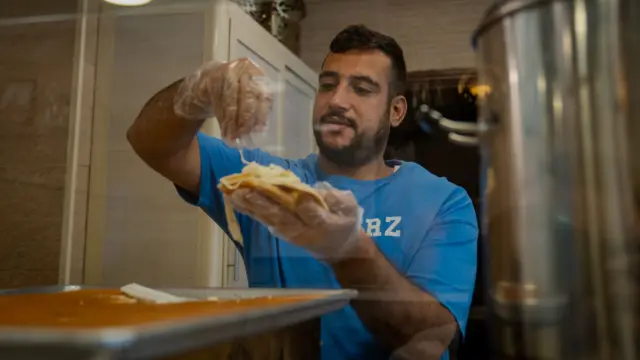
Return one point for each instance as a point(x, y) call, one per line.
point(236, 267)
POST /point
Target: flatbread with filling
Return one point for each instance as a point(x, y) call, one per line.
point(278, 184)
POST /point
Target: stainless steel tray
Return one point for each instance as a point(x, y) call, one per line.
point(167, 338)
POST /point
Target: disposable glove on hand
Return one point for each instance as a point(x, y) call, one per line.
point(329, 234)
point(237, 93)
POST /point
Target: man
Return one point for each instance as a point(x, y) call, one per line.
point(413, 256)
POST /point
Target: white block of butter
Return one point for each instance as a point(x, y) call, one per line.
point(151, 295)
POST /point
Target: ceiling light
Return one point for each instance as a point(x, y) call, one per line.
point(128, 2)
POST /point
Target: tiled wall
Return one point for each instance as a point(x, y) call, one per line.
point(35, 89)
point(434, 34)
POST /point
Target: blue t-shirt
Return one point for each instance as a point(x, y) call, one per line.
point(424, 225)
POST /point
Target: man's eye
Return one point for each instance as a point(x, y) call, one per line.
point(326, 87)
point(361, 90)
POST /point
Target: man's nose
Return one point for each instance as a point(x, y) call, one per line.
point(340, 98)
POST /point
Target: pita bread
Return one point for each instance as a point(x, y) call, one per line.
point(278, 184)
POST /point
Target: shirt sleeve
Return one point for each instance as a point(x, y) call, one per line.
point(218, 160)
point(445, 263)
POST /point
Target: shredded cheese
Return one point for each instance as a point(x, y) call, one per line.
point(277, 183)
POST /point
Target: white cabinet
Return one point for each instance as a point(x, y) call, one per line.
point(295, 83)
point(138, 229)
point(289, 133)
point(297, 108)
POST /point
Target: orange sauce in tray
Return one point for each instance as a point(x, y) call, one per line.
point(93, 308)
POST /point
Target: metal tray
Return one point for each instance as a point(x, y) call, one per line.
point(166, 338)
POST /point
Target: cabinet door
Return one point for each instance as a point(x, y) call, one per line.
point(248, 39)
point(297, 108)
point(289, 129)
point(269, 140)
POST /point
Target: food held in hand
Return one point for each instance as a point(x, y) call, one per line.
point(273, 181)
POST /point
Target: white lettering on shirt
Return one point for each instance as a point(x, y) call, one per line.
point(374, 226)
point(393, 222)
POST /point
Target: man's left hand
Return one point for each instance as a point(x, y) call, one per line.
point(330, 234)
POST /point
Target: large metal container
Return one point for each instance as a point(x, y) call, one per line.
point(560, 137)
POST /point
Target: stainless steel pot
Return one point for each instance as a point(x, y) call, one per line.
point(560, 138)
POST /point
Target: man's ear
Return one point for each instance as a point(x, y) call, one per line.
point(398, 110)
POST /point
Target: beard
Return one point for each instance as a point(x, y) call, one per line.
point(364, 148)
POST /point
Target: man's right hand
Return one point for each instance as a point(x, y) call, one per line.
point(237, 93)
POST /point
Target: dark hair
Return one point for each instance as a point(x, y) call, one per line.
point(359, 37)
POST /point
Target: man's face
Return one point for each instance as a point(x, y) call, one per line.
point(351, 116)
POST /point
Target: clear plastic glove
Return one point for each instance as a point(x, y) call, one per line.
point(237, 93)
point(329, 234)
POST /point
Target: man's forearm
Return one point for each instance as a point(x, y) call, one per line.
point(157, 131)
point(393, 309)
